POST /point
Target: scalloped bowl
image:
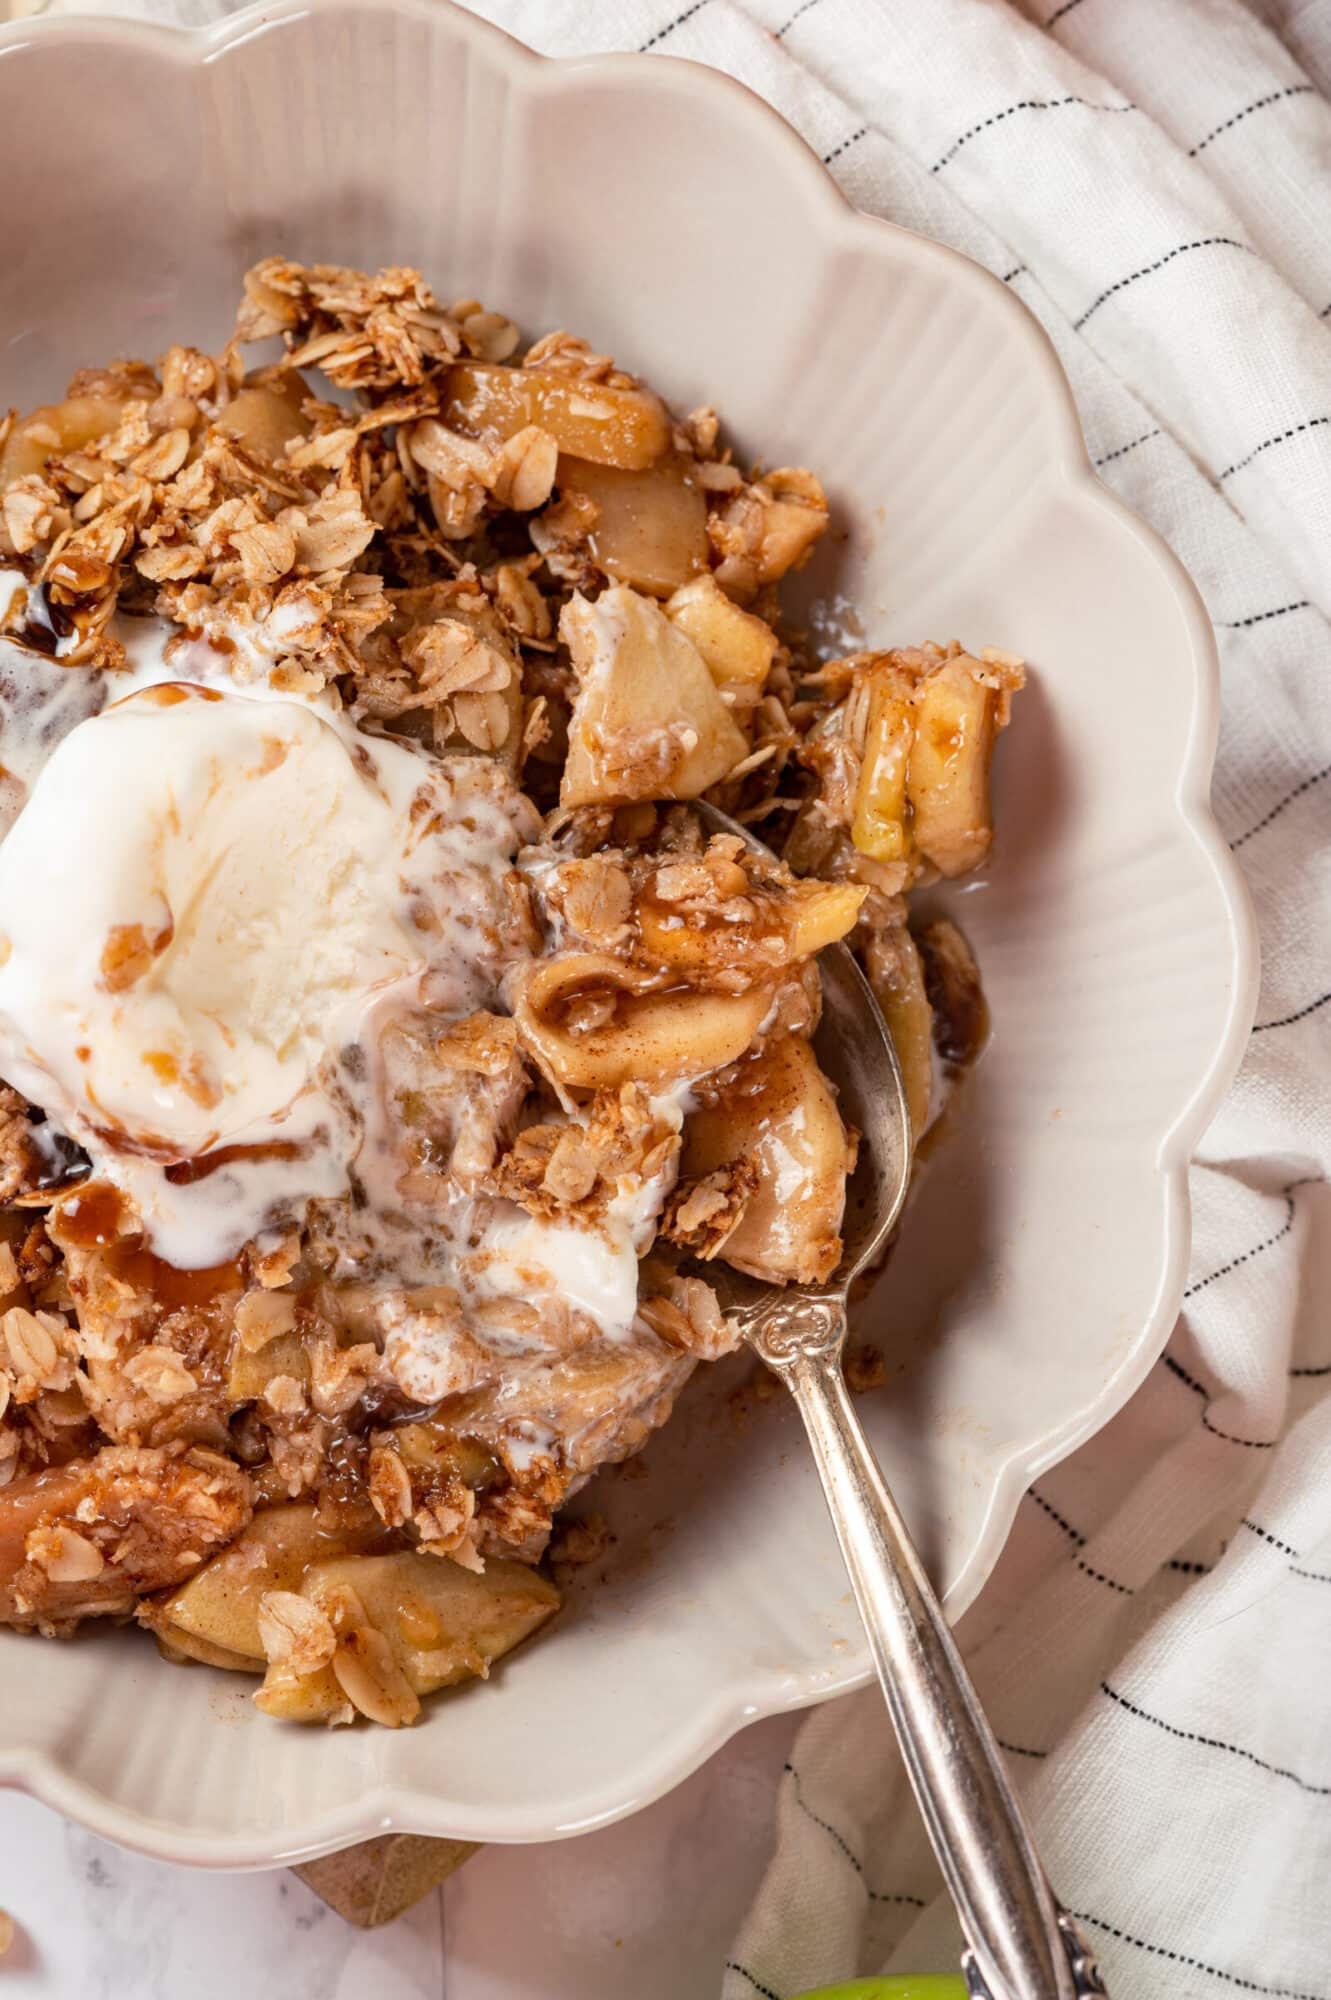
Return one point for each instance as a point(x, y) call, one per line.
point(673, 218)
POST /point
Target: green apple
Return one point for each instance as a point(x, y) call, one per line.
point(906, 1986)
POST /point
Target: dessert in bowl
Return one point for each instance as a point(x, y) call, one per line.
point(1043, 1256)
point(388, 1047)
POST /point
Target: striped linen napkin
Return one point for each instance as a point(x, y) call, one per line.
point(1153, 179)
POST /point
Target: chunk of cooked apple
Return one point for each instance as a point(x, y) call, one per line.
point(405, 1618)
point(881, 824)
point(947, 776)
point(792, 921)
point(56, 427)
point(649, 721)
point(591, 420)
point(217, 1611)
point(643, 1032)
point(651, 524)
point(266, 416)
point(737, 647)
point(780, 1116)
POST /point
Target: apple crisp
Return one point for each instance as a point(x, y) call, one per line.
point(387, 1046)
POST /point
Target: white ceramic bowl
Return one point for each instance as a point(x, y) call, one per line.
point(674, 219)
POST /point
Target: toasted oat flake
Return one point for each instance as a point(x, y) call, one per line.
point(263, 1315)
point(284, 1395)
point(523, 475)
point(161, 1374)
point(64, 1554)
point(34, 1344)
point(390, 1487)
point(371, 1679)
point(294, 1632)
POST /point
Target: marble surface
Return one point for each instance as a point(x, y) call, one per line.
point(601, 1916)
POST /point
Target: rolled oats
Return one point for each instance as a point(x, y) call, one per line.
point(340, 1376)
point(523, 473)
point(371, 1679)
point(483, 1043)
point(390, 1487)
point(284, 1395)
point(35, 1345)
point(263, 1315)
point(267, 550)
point(32, 513)
point(64, 1554)
point(485, 720)
point(161, 1374)
point(688, 1315)
point(521, 602)
point(294, 1632)
point(488, 335)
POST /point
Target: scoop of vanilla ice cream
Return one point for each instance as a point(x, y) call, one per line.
point(202, 895)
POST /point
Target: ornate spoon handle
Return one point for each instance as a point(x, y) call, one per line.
point(1020, 1944)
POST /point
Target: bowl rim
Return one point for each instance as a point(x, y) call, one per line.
point(388, 1807)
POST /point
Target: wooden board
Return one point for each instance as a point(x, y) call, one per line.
point(380, 1879)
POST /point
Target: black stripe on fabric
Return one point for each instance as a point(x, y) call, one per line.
point(845, 146)
point(1288, 1020)
point(1258, 104)
point(1015, 272)
point(1260, 617)
point(1024, 104)
point(671, 26)
point(915, 1902)
point(1201, 243)
point(1056, 1517)
point(804, 9)
point(1265, 1535)
point(733, 1965)
point(1215, 1743)
point(1312, 1575)
point(1177, 1368)
point(1194, 1964)
point(1229, 1437)
point(1018, 1749)
point(1288, 800)
point(1267, 444)
point(1309, 1372)
point(1079, 1540)
point(1267, 1243)
point(1098, 1576)
point(1188, 1568)
point(1123, 449)
point(1059, 12)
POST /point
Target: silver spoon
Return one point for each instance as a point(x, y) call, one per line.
point(1020, 1943)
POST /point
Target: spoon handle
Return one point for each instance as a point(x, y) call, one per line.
point(1019, 1944)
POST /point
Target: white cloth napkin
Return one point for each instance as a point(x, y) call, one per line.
point(1153, 179)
